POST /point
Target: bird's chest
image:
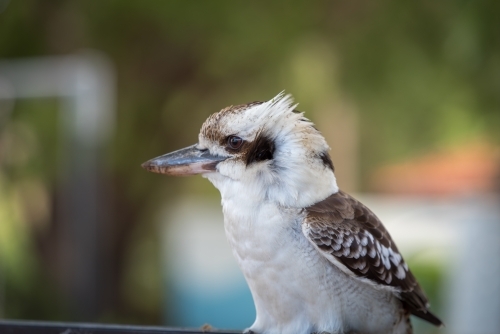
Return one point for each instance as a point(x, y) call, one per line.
point(274, 255)
point(262, 236)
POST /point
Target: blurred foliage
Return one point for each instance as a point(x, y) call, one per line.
point(420, 75)
point(429, 271)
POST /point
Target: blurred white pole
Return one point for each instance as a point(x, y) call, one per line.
point(85, 84)
point(475, 279)
point(87, 80)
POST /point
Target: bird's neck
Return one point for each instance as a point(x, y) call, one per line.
point(289, 193)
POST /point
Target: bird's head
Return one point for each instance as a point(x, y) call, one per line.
point(267, 150)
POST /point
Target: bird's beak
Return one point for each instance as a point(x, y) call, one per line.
point(186, 161)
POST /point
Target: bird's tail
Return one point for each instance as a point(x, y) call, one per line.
point(428, 316)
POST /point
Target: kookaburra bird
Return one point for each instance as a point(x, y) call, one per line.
point(316, 260)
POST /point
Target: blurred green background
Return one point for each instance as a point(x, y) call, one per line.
point(385, 81)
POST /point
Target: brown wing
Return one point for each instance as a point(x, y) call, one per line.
point(344, 228)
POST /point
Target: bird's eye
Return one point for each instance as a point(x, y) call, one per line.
point(234, 142)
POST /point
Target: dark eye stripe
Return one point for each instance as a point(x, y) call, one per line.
point(262, 149)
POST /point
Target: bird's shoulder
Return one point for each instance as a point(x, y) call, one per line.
point(353, 238)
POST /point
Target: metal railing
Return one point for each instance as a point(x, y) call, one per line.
point(40, 327)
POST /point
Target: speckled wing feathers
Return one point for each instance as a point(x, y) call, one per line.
point(342, 227)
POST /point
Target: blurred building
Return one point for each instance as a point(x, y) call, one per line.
point(456, 196)
point(465, 170)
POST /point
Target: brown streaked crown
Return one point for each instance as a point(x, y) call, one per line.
point(211, 129)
